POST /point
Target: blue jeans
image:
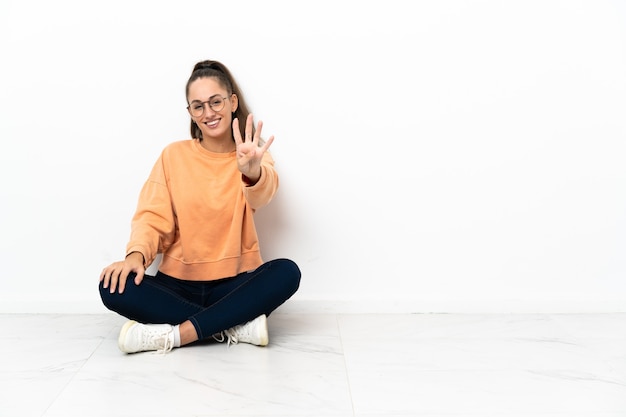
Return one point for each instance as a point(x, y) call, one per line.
point(211, 306)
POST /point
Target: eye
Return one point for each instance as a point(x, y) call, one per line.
point(197, 106)
point(216, 102)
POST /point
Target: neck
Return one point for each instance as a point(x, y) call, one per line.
point(224, 146)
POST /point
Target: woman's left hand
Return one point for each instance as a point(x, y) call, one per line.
point(249, 153)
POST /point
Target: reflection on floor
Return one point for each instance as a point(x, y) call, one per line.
point(429, 365)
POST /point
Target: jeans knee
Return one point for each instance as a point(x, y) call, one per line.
point(290, 274)
point(107, 297)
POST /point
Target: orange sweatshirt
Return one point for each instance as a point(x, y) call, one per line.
point(197, 211)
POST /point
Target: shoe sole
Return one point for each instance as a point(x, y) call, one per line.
point(122, 338)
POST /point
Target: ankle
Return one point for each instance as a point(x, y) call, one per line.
point(187, 333)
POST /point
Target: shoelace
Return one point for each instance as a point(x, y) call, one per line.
point(168, 345)
point(162, 338)
point(229, 335)
point(234, 334)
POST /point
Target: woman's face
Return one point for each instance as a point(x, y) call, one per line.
point(211, 108)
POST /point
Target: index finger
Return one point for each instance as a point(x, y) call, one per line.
point(237, 132)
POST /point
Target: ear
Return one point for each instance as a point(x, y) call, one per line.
point(234, 102)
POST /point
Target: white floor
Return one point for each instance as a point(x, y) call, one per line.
point(429, 365)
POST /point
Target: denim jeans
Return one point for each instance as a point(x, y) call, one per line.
point(211, 306)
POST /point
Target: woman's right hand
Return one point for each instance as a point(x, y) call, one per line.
point(115, 275)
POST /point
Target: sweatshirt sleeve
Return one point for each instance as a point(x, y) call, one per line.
point(261, 193)
point(153, 224)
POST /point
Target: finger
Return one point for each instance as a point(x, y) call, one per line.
point(257, 133)
point(113, 279)
point(267, 144)
point(139, 277)
point(104, 278)
point(249, 123)
point(121, 283)
point(237, 132)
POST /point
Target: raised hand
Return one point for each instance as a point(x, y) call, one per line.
point(249, 153)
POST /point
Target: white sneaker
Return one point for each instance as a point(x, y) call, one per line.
point(137, 337)
point(253, 332)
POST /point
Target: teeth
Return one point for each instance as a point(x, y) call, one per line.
point(212, 124)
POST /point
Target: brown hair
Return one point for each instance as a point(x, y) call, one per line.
point(217, 70)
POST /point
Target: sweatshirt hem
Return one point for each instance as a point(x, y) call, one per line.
point(210, 271)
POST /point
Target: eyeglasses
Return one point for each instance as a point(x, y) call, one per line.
point(216, 103)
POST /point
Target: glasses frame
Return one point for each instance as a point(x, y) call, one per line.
point(209, 103)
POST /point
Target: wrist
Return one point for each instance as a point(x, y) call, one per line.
point(138, 256)
point(251, 180)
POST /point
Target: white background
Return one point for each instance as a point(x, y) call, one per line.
point(435, 156)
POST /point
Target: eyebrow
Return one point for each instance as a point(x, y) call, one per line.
point(210, 98)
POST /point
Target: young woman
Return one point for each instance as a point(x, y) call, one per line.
point(196, 209)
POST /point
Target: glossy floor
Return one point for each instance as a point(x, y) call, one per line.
point(324, 365)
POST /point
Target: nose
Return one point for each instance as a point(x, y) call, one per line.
point(209, 107)
point(206, 108)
